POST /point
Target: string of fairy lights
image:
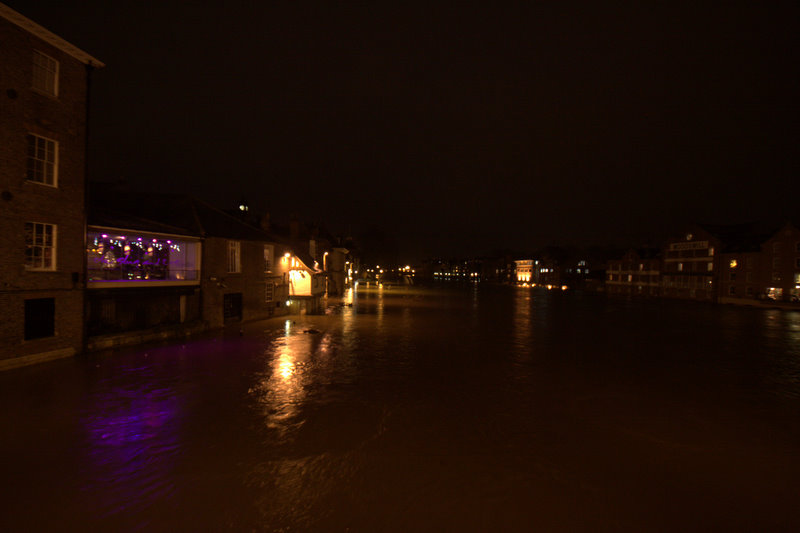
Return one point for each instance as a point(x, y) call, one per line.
point(121, 241)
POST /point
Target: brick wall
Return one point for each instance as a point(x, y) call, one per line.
point(22, 111)
point(250, 282)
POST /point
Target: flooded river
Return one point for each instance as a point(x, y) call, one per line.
point(451, 409)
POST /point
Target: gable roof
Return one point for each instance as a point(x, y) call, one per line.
point(48, 36)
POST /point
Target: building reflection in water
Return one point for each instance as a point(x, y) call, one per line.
point(522, 326)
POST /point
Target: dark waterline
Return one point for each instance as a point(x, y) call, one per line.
point(476, 409)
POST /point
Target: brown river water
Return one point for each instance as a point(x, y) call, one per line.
point(441, 409)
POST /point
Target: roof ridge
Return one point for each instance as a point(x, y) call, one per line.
point(49, 37)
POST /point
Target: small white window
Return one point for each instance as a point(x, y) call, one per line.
point(234, 257)
point(45, 73)
point(42, 160)
point(40, 246)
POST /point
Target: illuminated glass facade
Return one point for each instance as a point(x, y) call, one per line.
point(135, 257)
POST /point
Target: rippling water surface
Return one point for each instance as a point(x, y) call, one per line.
point(475, 409)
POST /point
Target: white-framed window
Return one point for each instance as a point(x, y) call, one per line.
point(45, 73)
point(268, 255)
point(40, 246)
point(234, 257)
point(42, 160)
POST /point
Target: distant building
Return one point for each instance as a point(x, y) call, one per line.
point(690, 265)
point(457, 270)
point(336, 265)
point(782, 264)
point(43, 133)
point(552, 266)
point(524, 269)
point(637, 273)
point(762, 264)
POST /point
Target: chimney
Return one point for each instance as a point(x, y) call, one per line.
point(265, 222)
point(294, 228)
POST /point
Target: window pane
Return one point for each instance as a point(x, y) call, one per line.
point(41, 162)
point(45, 73)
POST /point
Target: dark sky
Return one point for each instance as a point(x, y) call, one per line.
point(456, 130)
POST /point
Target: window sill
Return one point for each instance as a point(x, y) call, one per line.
point(42, 92)
point(51, 185)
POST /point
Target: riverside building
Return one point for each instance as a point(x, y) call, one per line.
point(43, 133)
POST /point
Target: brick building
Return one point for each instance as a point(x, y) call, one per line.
point(43, 130)
point(246, 272)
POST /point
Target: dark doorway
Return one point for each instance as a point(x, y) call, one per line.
point(232, 307)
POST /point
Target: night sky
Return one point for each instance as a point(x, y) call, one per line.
point(454, 131)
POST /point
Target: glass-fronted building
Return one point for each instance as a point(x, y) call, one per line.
point(115, 258)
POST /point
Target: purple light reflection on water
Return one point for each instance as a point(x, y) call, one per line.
point(132, 446)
